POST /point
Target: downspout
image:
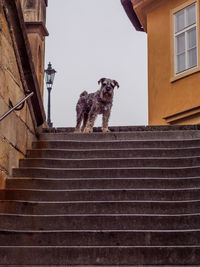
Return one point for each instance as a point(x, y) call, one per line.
point(128, 7)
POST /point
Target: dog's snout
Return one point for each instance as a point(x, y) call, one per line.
point(108, 88)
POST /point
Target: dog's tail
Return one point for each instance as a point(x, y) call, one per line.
point(84, 93)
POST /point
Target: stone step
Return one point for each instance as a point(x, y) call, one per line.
point(100, 222)
point(111, 162)
point(101, 195)
point(99, 238)
point(116, 144)
point(126, 198)
point(113, 153)
point(139, 128)
point(99, 207)
point(132, 135)
point(98, 256)
point(133, 172)
point(100, 183)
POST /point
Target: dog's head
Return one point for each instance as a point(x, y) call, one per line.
point(107, 89)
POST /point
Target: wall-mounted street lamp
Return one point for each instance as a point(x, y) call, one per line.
point(49, 77)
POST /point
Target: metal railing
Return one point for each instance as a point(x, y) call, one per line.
point(17, 106)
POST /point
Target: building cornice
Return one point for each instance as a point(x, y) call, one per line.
point(37, 27)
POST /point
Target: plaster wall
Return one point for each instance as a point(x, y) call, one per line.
point(17, 131)
point(168, 98)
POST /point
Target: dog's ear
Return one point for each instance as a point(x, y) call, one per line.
point(116, 83)
point(101, 80)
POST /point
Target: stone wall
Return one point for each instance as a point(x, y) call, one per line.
point(35, 20)
point(19, 129)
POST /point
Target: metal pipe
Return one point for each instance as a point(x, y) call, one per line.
point(16, 106)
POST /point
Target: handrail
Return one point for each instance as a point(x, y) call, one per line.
point(16, 106)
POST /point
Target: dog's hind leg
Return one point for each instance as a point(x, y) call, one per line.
point(85, 119)
point(90, 122)
point(78, 123)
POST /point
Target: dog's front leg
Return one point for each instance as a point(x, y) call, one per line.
point(90, 124)
point(91, 119)
point(106, 115)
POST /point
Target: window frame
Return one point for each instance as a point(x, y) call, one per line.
point(176, 76)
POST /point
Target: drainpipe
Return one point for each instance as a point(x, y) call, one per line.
point(128, 7)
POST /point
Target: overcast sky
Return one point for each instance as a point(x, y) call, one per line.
point(89, 40)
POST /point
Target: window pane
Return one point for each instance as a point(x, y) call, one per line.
point(180, 63)
point(191, 15)
point(192, 57)
point(179, 21)
point(180, 43)
point(192, 40)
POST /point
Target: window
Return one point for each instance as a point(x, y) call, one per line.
point(185, 37)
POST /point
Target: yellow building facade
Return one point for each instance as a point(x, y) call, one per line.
point(173, 32)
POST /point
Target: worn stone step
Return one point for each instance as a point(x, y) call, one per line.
point(99, 238)
point(127, 198)
point(121, 255)
point(130, 128)
point(135, 135)
point(100, 222)
point(113, 153)
point(111, 162)
point(102, 183)
point(116, 144)
point(99, 207)
point(101, 195)
point(133, 172)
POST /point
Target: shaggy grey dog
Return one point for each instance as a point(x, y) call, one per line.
point(90, 105)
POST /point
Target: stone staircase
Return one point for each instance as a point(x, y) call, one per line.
point(127, 198)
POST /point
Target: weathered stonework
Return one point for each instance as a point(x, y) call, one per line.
point(17, 75)
point(35, 20)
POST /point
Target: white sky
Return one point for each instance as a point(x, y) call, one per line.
point(89, 40)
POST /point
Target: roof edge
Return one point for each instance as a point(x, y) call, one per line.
point(128, 7)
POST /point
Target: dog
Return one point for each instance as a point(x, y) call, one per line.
point(90, 105)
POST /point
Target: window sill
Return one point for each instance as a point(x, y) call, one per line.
point(184, 74)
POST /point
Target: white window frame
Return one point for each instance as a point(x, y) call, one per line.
point(186, 30)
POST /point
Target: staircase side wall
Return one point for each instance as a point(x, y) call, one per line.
point(18, 130)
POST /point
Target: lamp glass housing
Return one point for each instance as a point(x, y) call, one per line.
point(49, 76)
